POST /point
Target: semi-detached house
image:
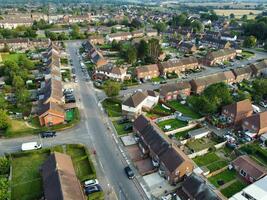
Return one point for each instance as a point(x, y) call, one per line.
point(175, 91)
point(147, 72)
point(256, 124)
point(173, 164)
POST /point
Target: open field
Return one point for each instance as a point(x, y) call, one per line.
point(26, 182)
point(238, 13)
point(8, 56)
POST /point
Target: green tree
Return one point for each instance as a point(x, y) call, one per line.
point(232, 16)
point(25, 62)
point(112, 88)
point(250, 41)
point(260, 87)
point(161, 27)
point(4, 165)
point(131, 55)
point(197, 26)
point(179, 20)
point(22, 97)
point(3, 103)
point(153, 49)
point(18, 82)
point(4, 120)
point(4, 188)
point(142, 49)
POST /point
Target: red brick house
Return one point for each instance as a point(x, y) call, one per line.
point(256, 123)
point(179, 65)
point(147, 71)
point(236, 112)
point(242, 73)
point(175, 90)
point(219, 56)
point(260, 68)
point(51, 114)
point(173, 164)
point(248, 168)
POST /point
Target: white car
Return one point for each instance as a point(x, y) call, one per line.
point(263, 104)
point(91, 182)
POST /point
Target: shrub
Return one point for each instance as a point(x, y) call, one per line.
point(4, 165)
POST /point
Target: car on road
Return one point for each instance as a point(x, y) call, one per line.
point(129, 172)
point(92, 189)
point(91, 182)
point(47, 134)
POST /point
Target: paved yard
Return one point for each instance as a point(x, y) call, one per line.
point(145, 166)
point(128, 140)
point(134, 152)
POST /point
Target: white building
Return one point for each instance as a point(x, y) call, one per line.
point(255, 191)
point(133, 106)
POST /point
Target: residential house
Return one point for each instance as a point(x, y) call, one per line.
point(147, 72)
point(255, 191)
point(151, 33)
point(195, 187)
point(242, 73)
point(236, 112)
point(51, 114)
point(175, 91)
point(97, 39)
point(199, 84)
point(259, 68)
point(248, 168)
point(138, 34)
point(228, 37)
point(173, 164)
point(215, 43)
point(217, 57)
point(187, 47)
point(12, 23)
point(15, 44)
point(178, 65)
point(112, 72)
point(213, 34)
point(119, 36)
point(132, 107)
point(59, 178)
point(256, 124)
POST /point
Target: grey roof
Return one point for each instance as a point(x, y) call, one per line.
point(198, 189)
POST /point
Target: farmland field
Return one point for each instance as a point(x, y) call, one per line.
point(238, 13)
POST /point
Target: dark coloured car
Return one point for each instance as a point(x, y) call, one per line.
point(92, 189)
point(123, 120)
point(47, 134)
point(124, 88)
point(163, 82)
point(129, 172)
point(128, 127)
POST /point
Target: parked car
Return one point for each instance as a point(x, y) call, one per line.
point(123, 120)
point(91, 182)
point(129, 172)
point(47, 134)
point(30, 146)
point(163, 82)
point(263, 104)
point(92, 189)
point(124, 88)
point(128, 127)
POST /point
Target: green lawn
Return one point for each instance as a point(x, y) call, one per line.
point(83, 166)
point(26, 183)
point(206, 159)
point(160, 109)
point(200, 144)
point(12, 56)
point(18, 127)
point(184, 109)
point(256, 152)
point(226, 176)
point(174, 123)
point(97, 196)
point(217, 165)
point(120, 128)
point(233, 188)
point(247, 54)
point(112, 107)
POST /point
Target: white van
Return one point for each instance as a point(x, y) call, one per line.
point(256, 109)
point(30, 146)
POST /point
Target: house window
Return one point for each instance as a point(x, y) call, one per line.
point(243, 173)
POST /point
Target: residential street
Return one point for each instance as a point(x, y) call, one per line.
point(92, 132)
